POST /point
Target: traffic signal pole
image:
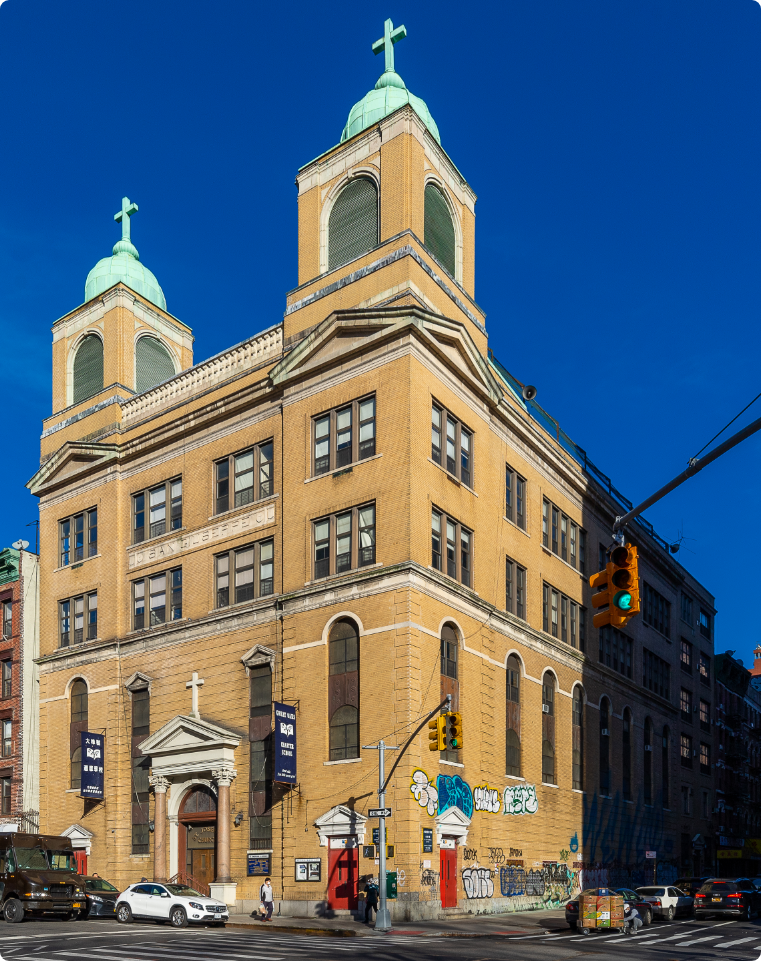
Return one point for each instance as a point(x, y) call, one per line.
point(696, 464)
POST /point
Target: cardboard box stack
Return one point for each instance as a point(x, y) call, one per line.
point(602, 909)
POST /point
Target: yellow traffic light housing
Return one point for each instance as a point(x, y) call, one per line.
point(437, 734)
point(454, 732)
point(619, 584)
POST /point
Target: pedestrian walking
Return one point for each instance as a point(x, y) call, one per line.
point(371, 899)
point(267, 896)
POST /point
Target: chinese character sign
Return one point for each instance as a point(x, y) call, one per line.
point(285, 743)
point(92, 765)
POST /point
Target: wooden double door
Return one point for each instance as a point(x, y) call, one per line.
point(198, 824)
point(343, 876)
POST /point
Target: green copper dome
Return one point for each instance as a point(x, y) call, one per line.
point(124, 265)
point(389, 93)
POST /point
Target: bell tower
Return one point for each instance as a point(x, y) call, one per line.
point(385, 216)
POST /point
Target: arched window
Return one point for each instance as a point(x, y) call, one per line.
point(578, 740)
point(199, 801)
point(88, 368)
point(665, 767)
point(605, 746)
point(513, 717)
point(450, 683)
point(353, 223)
point(77, 724)
point(439, 236)
point(153, 363)
point(548, 729)
point(343, 690)
point(648, 765)
point(626, 755)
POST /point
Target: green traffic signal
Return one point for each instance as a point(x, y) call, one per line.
point(623, 601)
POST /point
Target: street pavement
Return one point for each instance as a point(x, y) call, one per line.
point(56, 940)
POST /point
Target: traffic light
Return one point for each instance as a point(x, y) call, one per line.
point(454, 731)
point(438, 734)
point(619, 584)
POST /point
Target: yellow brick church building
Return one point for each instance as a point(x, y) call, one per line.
point(352, 513)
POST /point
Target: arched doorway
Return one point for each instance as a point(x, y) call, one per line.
point(198, 833)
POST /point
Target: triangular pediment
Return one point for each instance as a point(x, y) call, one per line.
point(71, 461)
point(77, 831)
point(187, 734)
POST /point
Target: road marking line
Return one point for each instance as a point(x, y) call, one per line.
point(731, 944)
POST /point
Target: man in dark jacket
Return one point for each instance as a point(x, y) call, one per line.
point(371, 899)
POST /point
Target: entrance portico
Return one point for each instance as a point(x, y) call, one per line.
point(187, 753)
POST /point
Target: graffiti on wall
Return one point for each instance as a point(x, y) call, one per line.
point(422, 789)
point(486, 798)
point(520, 799)
point(477, 883)
point(453, 792)
point(553, 883)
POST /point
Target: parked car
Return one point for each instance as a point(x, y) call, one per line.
point(666, 902)
point(175, 903)
point(645, 909)
point(101, 898)
point(691, 886)
point(38, 875)
point(733, 896)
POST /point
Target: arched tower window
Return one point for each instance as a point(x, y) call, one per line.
point(439, 235)
point(77, 724)
point(88, 368)
point(450, 681)
point(626, 755)
point(153, 363)
point(343, 690)
point(665, 767)
point(548, 729)
point(513, 717)
point(353, 223)
point(578, 740)
point(605, 746)
point(648, 765)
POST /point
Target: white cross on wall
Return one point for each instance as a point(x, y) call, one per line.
point(195, 683)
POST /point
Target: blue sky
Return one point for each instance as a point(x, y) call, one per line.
point(614, 148)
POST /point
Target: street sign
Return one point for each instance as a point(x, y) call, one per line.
point(650, 855)
point(379, 813)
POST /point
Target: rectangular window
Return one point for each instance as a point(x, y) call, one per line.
point(5, 790)
point(458, 546)
point(656, 674)
point(343, 436)
point(7, 618)
point(164, 595)
point(704, 619)
point(656, 610)
point(458, 444)
point(252, 475)
point(685, 750)
point(7, 738)
point(344, 542)
point(616, 650)
point(602, 557)
point(562, 617)
point(706, 806)
point(78, 619)
point(685, 704)
point(515, 498)
point(705, 715)
point(704, 669)
point(245, 573)
point(563, 537)
point(515, 588)
point(687, 609)
point(7, 676)
point(163, 506)
point(686, 800)
point(686, 656)
point(78, 537)
point(705, 758)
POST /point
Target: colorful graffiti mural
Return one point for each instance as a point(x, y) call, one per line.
point(422, 789)
point(520, 799)
point(454, 793)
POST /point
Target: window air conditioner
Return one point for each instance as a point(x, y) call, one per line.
point(545, 708)
point(604, 732)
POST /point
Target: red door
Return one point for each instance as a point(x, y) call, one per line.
point(343, 874)
point(448, 877)
point(81, 858)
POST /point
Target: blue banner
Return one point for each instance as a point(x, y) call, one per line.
point(92, 765)
point(285, 743)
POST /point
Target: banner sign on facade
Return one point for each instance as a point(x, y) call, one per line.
point(285, 743)
point(92, 765)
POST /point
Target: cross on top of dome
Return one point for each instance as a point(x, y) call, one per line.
point(387, 41)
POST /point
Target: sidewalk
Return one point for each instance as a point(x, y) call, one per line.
point(477, 926)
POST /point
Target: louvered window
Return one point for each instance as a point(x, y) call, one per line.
point(353, 224)
point(88, 368)
point(439, 229)
point(153, 364)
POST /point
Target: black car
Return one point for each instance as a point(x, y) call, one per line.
point(691, 885)
point(732, 896)
point(644, 909)
point(101, 898)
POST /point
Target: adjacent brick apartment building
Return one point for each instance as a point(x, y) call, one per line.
point(354, 512)
point(19, 696)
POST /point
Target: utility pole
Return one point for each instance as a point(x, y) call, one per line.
point(383, 918)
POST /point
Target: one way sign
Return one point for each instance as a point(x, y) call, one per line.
point(379, 813)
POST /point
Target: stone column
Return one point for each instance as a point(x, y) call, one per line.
point(224, 778)
point(159, 785)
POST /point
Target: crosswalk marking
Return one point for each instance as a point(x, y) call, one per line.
point(685, 944)
point(731, 944)
point(130, 955)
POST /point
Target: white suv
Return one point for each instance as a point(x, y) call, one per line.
point(175, 903)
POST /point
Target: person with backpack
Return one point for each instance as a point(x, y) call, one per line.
point(267, 897)
point(371, 899)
